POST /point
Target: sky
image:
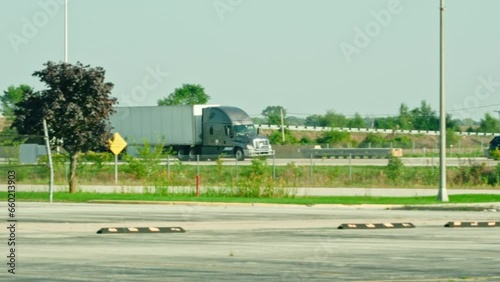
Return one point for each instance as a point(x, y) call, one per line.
point(308, 56)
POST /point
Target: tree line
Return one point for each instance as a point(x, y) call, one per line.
point(419, 118)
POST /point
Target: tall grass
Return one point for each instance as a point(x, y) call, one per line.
point(260, 178)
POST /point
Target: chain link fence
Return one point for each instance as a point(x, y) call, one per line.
point(289, 168)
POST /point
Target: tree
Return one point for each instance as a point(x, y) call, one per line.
point(76, 106)
point(188, 94)
point(273, 114)
point(333, 119)
point(385, 122)
point(489, 124)
point(356, 122)
point(424, 118)
point(296, 121)
point(334, 137)
point(315, 120)
point(11, 97)
point(405, 118)
point(453, 124)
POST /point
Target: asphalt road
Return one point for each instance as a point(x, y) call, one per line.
point(228, 242)
point(354, 162)
point(334, 161)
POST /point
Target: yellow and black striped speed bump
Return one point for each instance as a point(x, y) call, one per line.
point(110, 230)
point(473, 224)
point(376, 225)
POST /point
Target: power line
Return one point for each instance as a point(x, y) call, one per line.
point(472, 108)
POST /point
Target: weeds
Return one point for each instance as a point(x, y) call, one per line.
point(147, 164)
point(258, 179)
point(395, 168)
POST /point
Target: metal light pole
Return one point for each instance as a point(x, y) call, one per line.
point(49, 155)
point(65, 31)
point(45, 127)
point(443, 194)
point(282, 126)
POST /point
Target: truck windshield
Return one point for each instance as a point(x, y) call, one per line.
point(245, 129)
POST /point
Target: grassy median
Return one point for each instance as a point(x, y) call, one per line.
point(152, 198)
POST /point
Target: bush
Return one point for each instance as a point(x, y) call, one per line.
point(474, 175)
point(404, 142)
point(394, 168)
point(451, 137)
point(306, 140)
point(97, 159)
point(276, 138)
point(333, 136)
point(56, 159)
point(258, 182)
point(373, 140)
point(495, 154)
point(147, 164)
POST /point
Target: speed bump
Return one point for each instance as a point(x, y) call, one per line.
point(473, 224)
point(110, 230)
point(376, 225)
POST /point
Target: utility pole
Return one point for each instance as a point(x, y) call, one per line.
point(282, 126)
point(443, 194)
point(65, 31)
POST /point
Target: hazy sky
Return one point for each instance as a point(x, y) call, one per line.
point(309, 56)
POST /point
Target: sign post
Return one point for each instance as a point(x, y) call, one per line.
point(116, 145)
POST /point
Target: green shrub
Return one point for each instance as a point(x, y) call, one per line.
point(495, 154)
point(305, 140)
point(97, 159)
point(334, 136)
point(373, 140)
point(56, 159)
point(147, 164)
point(404, 142)
point(473, 175)
point(395, 168)
point(276, 138)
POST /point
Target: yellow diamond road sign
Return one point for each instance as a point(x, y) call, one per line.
point(117, 144)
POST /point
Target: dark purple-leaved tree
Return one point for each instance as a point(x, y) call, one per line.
point(76, 104)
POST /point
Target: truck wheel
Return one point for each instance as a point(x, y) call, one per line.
point(192, 154)
point(181, 154)
point(238, 153)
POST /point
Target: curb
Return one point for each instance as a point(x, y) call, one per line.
point(223, 204)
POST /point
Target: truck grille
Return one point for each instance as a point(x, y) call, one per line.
point(261, 144)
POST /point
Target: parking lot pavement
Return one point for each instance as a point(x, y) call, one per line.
point(58, 242)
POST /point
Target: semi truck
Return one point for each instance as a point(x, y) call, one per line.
point(191, 130)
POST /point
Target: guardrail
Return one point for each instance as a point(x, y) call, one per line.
point(368, 130)
point(352, 152)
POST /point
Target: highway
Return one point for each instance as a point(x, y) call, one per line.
point(355, 162)
point(335, 161)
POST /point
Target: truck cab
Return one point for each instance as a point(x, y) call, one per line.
point(230, 131)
